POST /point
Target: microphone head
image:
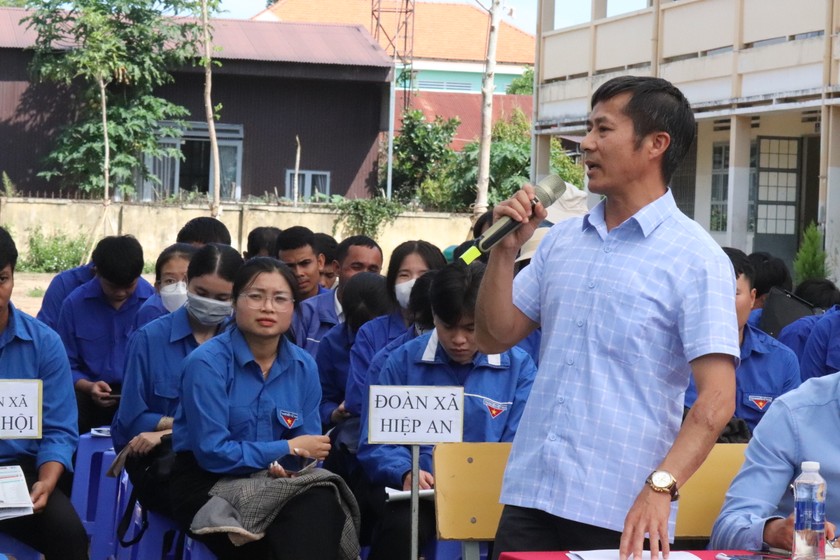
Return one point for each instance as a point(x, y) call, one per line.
point(549, 189)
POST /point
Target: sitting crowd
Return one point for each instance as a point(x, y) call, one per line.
point(245, 369)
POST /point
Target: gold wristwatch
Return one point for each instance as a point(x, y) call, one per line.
point(663, 482)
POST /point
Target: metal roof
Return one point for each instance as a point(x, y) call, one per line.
point(305, 43)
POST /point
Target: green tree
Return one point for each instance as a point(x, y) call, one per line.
point(115, 53)
point(524, 84)
point(510, 166)
point(13, 3)
point(421, 153)
point(809, 262)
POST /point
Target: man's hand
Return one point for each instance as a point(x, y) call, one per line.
point(100, 392)
point(144, 442)
point(426, 480)
point(310, 446)
point(520, 208)
point(778, 533)
point(48, 475)
point(339, 414)
point(649, 514)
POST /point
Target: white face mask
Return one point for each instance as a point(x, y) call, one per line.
point(174, 295)
point(208, 311)
point(403, 292)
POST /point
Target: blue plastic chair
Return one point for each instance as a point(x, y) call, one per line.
point(94, 495)
point(17, 549)
point(159, 542)
point(195, 550)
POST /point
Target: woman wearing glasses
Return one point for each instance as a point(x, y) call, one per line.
point(249, 401)
point(153, 365)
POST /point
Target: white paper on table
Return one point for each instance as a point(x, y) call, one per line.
point(613, 555)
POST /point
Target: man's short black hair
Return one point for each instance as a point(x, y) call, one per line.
point(769, 271)
point(354, 241)
point(655, 105)
point(327, 246)
point(203, 230)
point(118, 259)
point(741, 264)
point(263, 237)
point(295, 237)
point(8, 250)
point(818, 292)
point(454, 291)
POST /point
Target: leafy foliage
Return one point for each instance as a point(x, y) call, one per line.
point(421, 153)
point(13, 3)
point(9, 189)
point(524, 84)
point(510, 163)
point(53, 253)
point(364, 216)
point(126, 47)
point(809, 262)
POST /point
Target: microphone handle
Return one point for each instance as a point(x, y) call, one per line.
point(496, 233)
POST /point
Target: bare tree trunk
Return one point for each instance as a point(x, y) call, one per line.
point(106, 166)
point(487, 87)
point(296, 192)
point(208, 110)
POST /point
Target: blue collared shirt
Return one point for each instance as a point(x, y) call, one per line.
point(768, 369)
point(803, 425)
point(622, 314)
point(151, 309)
point(95, 334)
point(61, 286)
point(312, 319)
point(359, 382)
point(333, 362)
point(372, 337)
point(821, 355)
point(30, 350)
point(152, 375)
point(233, 419)
point(496, 387)
point(795, 335)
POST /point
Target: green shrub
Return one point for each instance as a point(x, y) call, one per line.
point(364, 216)
point(53, 253)
point(809, 262)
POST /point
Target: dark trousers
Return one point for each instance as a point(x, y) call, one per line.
point(56, 532)
point(92, 415)
point(533, 530)
point(392, 534)
point(308, 526)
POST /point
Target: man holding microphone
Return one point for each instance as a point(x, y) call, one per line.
point(632, 298)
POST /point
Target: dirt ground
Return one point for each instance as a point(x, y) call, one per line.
point(29, 290)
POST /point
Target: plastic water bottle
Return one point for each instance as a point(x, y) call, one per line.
point(809, 513)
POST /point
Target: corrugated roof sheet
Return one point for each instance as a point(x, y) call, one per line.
point(465, 106)
point(442, 31)
point(305, 43)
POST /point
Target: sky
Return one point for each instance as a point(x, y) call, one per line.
point(522, 13)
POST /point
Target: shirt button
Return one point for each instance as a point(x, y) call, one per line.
point(560, 400)
point(570, 361)
point(592, 285)
point(552, 437)
point(580, 323)
point(607, 249)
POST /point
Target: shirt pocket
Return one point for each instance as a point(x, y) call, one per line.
point(241, 423)
point(288, 419)
point(757, 401)
point(628, 325)
point(94, 342)
point(166, 392)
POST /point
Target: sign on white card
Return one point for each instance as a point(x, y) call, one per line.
point(20, 408)
point(415, 415)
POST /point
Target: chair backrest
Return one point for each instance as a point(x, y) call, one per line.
point(468, 482)
point(701, 497)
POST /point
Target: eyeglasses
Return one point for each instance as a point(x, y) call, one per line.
point(256, 300)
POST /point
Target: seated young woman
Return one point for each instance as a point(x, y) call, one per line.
point(249, 402)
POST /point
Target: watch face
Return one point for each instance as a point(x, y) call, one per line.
point(661, 479)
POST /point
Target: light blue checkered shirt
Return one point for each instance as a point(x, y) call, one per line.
point(622, 315)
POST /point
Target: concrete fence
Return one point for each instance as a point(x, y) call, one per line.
point(156, 226)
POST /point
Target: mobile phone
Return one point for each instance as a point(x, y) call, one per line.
point(293, 464)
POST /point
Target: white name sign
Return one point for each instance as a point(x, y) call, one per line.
point(415, 415)
point(20, 408)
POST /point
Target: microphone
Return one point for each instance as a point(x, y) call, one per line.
point(548, 190)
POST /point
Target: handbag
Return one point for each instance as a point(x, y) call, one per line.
point(149, 475)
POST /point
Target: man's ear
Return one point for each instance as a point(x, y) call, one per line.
point(658, 143)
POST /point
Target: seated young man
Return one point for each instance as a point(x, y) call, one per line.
point(31, 351)
point(327, 246)
point(803, 425)
point(296, 248)
point(315, 316)
point(495, 390)
point(768, 368)
point(95, 323)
